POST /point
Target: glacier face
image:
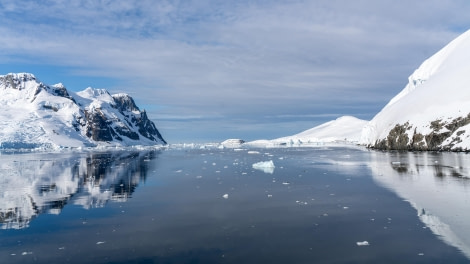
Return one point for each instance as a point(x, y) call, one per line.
point(35, 115)
point(433, 111)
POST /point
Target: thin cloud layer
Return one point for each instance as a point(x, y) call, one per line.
point(224, 66)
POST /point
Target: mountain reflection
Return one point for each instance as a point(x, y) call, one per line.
point(33, 184)
point(437, 185)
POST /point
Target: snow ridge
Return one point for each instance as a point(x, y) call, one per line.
point(433, 111)
point(34, 115)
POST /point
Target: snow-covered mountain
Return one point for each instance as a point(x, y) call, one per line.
point(343, 129)
point(35, 115)
point(433, 111)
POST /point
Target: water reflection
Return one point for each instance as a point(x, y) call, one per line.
point(437, 185)
point(33, 184)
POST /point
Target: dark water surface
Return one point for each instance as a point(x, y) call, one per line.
point(318, 205)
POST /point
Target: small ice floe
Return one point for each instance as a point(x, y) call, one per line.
point(363, 243)
point(265, 166)
point(198, 177)
point(285, 183)
point(100, 242)
point(26, 253)
point(225, 196)
point(253, 152)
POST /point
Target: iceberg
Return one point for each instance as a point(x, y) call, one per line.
point(264, 166)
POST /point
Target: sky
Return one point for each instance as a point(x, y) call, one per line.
point(208, 70)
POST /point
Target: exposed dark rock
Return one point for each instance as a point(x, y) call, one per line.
point(98, 127)
point(124, 103)
point(147, 128)
point(442, 131)
point(397, 139)
point(434, 140)
point(125, 131)
point(61, 91)
point(50, 107)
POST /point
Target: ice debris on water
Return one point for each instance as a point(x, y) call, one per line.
point(225, 196)
point(100, 242)
point(363, 243)
point(265, 166)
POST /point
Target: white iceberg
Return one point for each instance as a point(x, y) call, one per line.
point(363, 243)
point(265, 166)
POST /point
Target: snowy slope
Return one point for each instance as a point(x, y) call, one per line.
point(433, 111)
point(342, 129)
point(35, 115)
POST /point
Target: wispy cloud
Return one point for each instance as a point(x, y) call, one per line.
point(236, 59)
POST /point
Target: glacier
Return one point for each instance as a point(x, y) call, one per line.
point(345, 129)
point(34, 115)
point(432, 112)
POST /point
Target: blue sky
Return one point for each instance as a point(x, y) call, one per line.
point(212, 70)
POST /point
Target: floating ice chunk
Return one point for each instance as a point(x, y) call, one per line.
point(363, 243)
point(100, 242)
point(225, 196)
point(265, 166)
point(231, 143)
point(253, 152)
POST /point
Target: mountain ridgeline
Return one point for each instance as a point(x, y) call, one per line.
point(433, 111)
point(36, 115)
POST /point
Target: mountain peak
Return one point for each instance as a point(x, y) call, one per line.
point(35, 115)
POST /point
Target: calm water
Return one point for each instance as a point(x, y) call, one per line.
point(317, 205)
